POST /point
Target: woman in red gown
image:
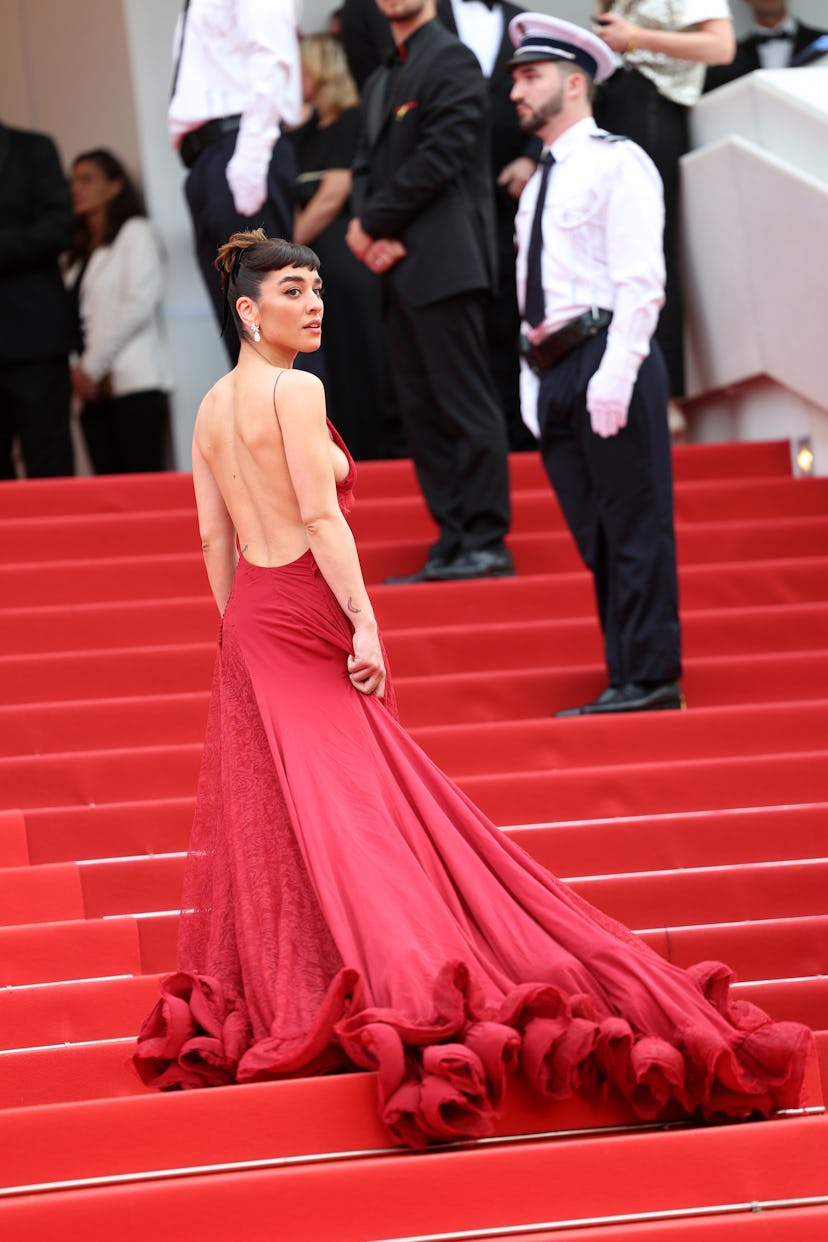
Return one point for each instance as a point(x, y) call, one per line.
point(345, 905)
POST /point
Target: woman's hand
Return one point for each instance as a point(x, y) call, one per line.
point(366, 667)
point(83, 387)
point(615, 30)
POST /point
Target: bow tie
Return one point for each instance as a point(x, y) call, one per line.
point(783, 35)
point(489, 4)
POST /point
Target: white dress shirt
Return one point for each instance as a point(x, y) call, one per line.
point(679, 80)
point(238, 58)
point(776, 53)
point(481, 29)
point(120, 304)
point(603, 222)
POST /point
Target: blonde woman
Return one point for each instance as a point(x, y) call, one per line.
point(663, 47)
point(358, 396)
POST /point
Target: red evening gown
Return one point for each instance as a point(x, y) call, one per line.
point(347, 907)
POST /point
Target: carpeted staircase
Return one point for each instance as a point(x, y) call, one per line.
point(705, 831)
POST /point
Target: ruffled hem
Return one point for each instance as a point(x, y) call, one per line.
point(444, 1080)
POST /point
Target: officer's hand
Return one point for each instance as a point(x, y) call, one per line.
point(608, 402)
point(247, 177)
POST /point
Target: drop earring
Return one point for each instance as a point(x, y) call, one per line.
point(257, 336)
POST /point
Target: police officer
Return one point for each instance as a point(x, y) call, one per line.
point(590, 277)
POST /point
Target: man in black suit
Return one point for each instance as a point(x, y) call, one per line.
point(35, 228)
point(424, 221)
point(775, 40)
point(483, 25)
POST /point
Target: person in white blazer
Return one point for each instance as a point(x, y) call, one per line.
point(121, 374)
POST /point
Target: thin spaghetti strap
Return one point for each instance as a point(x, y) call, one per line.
point(275, 382)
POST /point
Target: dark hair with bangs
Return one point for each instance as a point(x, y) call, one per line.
point(245, 260)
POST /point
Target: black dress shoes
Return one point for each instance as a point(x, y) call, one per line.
point(427, 574)
point(480, 563)
point(633, 696)
point(483, 563)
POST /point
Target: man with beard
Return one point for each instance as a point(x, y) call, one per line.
point(590, 279)
point(424, 222)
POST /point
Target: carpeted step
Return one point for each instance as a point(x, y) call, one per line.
point(555, 745)
point(654, 788)
point(384, 1197)
point(72, 1011)
point(711, 682)
point(690, 839)
point(63, 834)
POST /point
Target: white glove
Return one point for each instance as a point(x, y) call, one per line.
point(608, 402)
point(247, 173)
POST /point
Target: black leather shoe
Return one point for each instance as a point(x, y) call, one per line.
point(633, 696)
point(480, 563)
point(428, 573)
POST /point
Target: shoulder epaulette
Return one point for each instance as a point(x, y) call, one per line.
point(610, 137)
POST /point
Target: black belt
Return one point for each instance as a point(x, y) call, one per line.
point(197, 140)
point(553, 347)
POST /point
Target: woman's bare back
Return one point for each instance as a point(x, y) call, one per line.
point(238, 434)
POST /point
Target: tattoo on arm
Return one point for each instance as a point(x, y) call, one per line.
point(352, 606)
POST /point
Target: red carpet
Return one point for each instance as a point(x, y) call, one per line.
point(705, 831)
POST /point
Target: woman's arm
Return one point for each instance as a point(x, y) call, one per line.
point(711, 42)
point(307, 444)
point(218, 537)
point(326, 204)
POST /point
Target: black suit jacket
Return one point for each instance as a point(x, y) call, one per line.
point(35, 227)
point(508, 141)
point(747, 57)
point(421, 172)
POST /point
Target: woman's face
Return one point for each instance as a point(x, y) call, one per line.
point(91, 189)
point(290, 309)
point(310, 84)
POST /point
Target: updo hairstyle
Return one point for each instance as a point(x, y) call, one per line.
point(245, 260)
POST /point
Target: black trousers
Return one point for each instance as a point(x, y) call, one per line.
point(452, 422)
point(127, 435)
point(503, 327)
point(215, 217)
point(617, 498)
point(34, 405)
point(631, 104)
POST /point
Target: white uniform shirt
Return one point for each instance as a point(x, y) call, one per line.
point(603, 222)
point(679, 80)
point(239, 58)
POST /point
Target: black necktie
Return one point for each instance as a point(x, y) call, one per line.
point(533, 310)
